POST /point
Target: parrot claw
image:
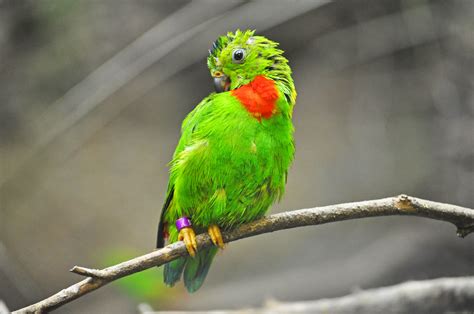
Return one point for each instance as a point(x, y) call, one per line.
point(188, 236)
point(216, 236)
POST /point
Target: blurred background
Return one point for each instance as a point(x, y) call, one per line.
point(92, 94)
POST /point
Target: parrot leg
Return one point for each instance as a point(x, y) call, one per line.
point(188, 236)
point(216, 235)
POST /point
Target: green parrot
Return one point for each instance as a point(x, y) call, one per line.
point(232, 159)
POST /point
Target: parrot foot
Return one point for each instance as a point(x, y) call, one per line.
point(216, 235)
point(188, 236)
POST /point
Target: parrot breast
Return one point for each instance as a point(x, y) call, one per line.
point(258, 97)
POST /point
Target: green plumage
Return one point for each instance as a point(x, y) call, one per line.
point(229, 166)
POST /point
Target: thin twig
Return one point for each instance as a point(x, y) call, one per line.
point(461, 217)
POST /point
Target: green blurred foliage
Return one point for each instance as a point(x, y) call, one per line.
point(146, 286)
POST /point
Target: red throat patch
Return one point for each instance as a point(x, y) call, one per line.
point(258, 97)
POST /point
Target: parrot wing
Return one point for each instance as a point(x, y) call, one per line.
point(160, 238)
point(187, 129)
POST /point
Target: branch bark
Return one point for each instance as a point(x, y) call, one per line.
point(461, 217)
point(442, 295)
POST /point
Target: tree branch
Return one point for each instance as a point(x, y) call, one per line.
point(461, 217)
point(442, 295)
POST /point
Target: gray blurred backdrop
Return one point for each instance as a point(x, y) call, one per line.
point(92, 94)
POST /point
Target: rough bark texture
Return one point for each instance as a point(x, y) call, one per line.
point(462, 218)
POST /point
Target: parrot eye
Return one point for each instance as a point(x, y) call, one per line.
point(238, 55)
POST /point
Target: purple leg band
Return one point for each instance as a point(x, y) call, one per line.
point(183, 222)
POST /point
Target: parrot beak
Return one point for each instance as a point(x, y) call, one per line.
point(221, 82)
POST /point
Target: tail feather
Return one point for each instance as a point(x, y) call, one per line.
point(196, 268)
point(173, 270)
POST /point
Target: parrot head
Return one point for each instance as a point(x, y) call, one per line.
point(237, 58)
